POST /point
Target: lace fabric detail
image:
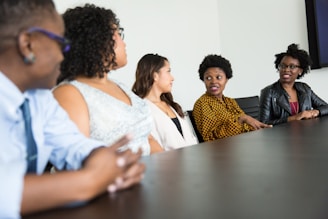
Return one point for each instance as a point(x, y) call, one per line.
point(111, 118)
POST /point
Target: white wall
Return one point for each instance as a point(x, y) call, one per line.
point(252, 32)
point(248, 33)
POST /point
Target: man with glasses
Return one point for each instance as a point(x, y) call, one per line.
point(35, 129)
point(63, 42)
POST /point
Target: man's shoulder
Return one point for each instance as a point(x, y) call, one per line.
point(43, 103)
point(40, 96)
point(39, 92)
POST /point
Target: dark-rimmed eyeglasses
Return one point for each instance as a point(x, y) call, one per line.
point(121, 32)
point(64, 43)
point(284, 67)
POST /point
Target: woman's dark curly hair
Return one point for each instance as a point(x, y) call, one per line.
point(147, 66)
point(301, 55)
point(215, 61)
point(90, 29)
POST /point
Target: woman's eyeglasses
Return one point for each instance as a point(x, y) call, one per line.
point(291, 67)
point(64, 43)
point(121, 32)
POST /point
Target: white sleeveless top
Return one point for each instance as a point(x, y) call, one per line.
point(111, 118)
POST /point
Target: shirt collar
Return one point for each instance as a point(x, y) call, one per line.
point(11, 97)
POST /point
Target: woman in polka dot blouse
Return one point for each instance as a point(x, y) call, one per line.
point(217, 116)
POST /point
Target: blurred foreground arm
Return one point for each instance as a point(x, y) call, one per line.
point(103, 167)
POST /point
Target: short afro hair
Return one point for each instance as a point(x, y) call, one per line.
point(216, 61)
point(301, 55)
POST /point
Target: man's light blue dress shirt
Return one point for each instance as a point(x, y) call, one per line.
point(57, 138)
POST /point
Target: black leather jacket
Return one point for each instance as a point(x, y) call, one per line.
point(274, 103)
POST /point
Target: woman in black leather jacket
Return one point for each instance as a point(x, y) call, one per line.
point(287, 100)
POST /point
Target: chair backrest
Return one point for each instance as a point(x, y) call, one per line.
point(250, 105)
point(192, 120)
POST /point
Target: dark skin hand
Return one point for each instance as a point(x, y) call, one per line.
point(253, 122)
point(308, 114)
point(105, 167)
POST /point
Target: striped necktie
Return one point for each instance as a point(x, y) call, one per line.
point(32, 151)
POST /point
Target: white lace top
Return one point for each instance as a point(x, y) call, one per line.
point(111, 118)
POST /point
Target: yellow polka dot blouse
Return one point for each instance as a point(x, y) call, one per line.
point(218, 118)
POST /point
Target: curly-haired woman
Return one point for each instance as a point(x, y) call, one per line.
point(216, 115)
point(287, 100)
point(102, 108)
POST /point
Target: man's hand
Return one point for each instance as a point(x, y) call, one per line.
point(104, 166)
point(113, 170)
point(132, 174)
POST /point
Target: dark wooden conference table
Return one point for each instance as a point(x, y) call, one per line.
point(277, 173)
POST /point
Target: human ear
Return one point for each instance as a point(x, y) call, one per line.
point(300, 72)
point(25, 48)
point(155, 76)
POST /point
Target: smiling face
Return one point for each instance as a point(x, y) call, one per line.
point(163, 79)
point(289, 70)
point(215, 80)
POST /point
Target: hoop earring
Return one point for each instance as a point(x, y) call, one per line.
point(29, 59)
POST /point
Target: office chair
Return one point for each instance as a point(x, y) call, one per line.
point(250, 105)
point(192, 120)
